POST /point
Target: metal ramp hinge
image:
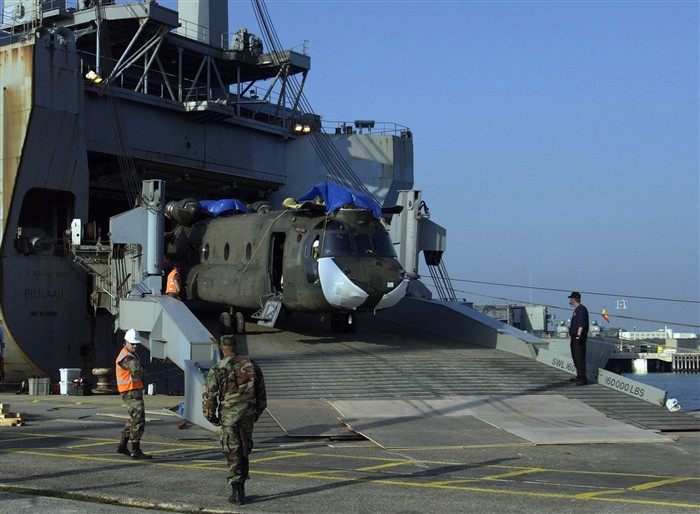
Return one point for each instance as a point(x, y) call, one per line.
point(267, 315)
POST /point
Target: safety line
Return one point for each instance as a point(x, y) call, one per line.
point(651, 485)
point(326, 475)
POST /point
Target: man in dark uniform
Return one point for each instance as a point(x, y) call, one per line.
point(578, 330)
point(234, 398)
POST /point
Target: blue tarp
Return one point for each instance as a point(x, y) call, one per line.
point(223, 207)
point(335, 196)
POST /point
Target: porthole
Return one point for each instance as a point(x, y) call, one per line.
point(248, 251)
point(226, 250)
point(205, 251)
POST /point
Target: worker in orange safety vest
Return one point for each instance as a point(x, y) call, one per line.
point(130, 383)
point(172, 287)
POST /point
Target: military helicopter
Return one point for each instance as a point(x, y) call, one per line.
point(330, 253)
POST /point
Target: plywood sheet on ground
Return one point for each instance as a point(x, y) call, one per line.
point(307, 418)
point(431, 432)
point(550, 419)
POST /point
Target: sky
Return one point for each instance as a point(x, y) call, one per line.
point(558, 142)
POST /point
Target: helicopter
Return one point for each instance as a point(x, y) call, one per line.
point(331, 253)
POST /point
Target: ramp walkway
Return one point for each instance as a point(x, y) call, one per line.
point(402, 387)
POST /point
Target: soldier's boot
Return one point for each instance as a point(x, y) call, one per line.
point(136, 452)
point(122, 448)
point(237, 495)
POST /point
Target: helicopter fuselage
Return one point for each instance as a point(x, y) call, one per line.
point(313, 261)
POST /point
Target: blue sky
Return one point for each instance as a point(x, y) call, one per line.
point(558, 142)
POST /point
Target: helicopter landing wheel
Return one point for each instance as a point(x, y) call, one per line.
point(225, 324)
point(239, 320)
point(350, 323)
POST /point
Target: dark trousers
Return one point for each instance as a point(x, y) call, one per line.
point(578, 353)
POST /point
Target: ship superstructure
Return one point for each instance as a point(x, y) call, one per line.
point(99, 96)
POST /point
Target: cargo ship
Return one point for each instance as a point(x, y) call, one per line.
point(99, 96)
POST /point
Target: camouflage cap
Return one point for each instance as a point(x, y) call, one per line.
point(228, 340)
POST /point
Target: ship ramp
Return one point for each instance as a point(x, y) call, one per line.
point(404, 387)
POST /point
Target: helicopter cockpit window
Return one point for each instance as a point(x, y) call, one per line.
point(383, 245)
point(333, 240)
point(335, 244)
point(363, 244)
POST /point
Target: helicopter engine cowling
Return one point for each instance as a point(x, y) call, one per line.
point(185, 211)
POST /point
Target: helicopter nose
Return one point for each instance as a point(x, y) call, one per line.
point(337, 288)
point(392, 297)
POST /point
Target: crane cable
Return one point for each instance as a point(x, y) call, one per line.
point(610, 314)
point(338, 168)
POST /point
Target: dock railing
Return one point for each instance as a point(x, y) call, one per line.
point(686, 363)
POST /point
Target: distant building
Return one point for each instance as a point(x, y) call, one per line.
point(662, 333)
point(671, 339)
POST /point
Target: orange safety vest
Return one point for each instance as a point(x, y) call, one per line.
point(125, 381)
point(173, 286)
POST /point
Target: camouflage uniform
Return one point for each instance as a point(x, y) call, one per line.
point(133, 430)
point(234, 397)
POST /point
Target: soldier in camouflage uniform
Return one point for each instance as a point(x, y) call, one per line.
point(130, 383)
point(234, 398)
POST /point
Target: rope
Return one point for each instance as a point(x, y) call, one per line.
point(262, 238)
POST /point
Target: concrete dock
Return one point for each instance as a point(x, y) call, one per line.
point(385, 420)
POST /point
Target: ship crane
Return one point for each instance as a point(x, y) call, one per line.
point(127, 275)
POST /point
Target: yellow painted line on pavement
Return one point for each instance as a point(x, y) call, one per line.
point(523, 471)
point(208, 462)
point(346, 475)
point(652, 485)
point(192, 445)
point(386, 465)
point(89, 445)
point(290, 455)
point(8, 440)
point(325, 474)
point(515, 473)
point(592, 495)
point(440, 483)
point(111, 443)
point(483, 490)
point(381, 459)
point(126, 460)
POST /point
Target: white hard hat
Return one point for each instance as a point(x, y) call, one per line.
point(132, 336)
